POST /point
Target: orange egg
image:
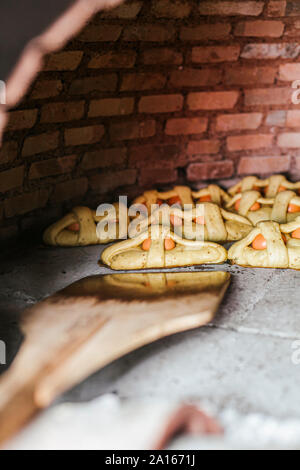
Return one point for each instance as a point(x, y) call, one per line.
point(284, 238)
point(259, 243)
point(169, 244)
point(200, 220)
point(159, 202)
point(74, 227)
point(174, 200)
point(237, 205)
point(205, 198)
point(256, 188)
point(175, 220)
point(281, 189)
point(296, 234)
point(293, 208)
point(256, 206)
point(147, 244)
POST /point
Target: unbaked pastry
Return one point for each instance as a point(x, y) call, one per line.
point(79, 228)
point(179, 195)
point(269, 245)
point(249, 183)
point(212, 193)
point(269, 187)
point(164, 250)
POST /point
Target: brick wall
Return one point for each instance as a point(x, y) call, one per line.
point(158, 91)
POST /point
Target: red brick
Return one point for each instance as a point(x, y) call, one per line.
point(25, 203)
point(72, 189)
point(103, 83)
point(60, 61)
point(143, 81)
point(260, 28)
point(113, 60)
point(132, 130)
point(292, 8)
point(62, 112)
point(162, 56)
point(84, 135)
point(159, 176)
point(205, 32)
point(149, 33)
point(111, 107)
point(46, 89)
point(161, 104)
point(195, 78)
point(271, 51)
point(276, 8)
point(289, 72)
point(293, 118)
point(126, 11)
point(215, 54)
point(289, 140)
point(8, 152)
point(40, 143)
point(203, 147)
point(107, 182)
point(229, 8)
point(52, 167)
point(230, 122)
point(249, 142)
point(249, 75)
point(100, 33)
point(171, 8)
point(104, 158)
point(292, 29)
point(268, 96)
point(263, 165)
point(210, 170)
point(186, 126)
point(11, 179)
point(212, 100)
point(276, 118)
point(24, 119)
point(154, 156)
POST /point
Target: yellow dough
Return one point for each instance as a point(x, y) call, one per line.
point(246, 184)
point(269, 187)
point(59, 234)
point(220, 225)
point(276, 255)
point(216, 194)
point(151, 197)
point(129, 254)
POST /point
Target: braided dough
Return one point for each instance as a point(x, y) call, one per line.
point(276, 255)
point(58, 234)
point(129, 254)
point(215, 193)
point(220, 226)
point(270, 187)
point(151, 197)
point(246, 184)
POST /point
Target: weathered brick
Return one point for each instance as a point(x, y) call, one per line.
point(276, 118)
point(212, 100)
point(149, 33)
point(203, 147)
point(260, 28)
point(125, 11)
point(271, 51)
point(46, 89)
point(263, 165)
point(113, 60)
point(186, 126)
point(11, 179)
point(249, 75)
point(84, 135)
point(230, 122)
point(111, 107)
point(289, 72)
point(195, 78)
point(72, 189)
point(104, 183)
point(162, 56)
point(247, 8)
point(210, 170)
point(268, 96)
point(215, 54)
point(24, 119)
point(206, 32)
point(62, 112)
point(26, 202)
point(104, 158)
point(289, 140)
point(292, 8)
point(161, 104)
point(292, 29)
point(8, 151)
point(154, 156)
point(143, 81)
point(160, 176)
point(293, 118)
point(171, 8)
point(249, 142)
point(132, 130)
point(101, 33)
point(52, 167)
point(60, 61)
point(276, 8)
point(40, 143)
point(103, 83)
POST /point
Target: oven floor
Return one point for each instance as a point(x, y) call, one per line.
point(242, 361)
